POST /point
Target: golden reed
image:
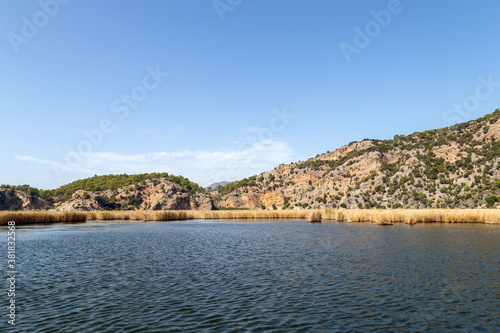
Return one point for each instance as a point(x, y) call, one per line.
point(379, 216)
point(30, 217)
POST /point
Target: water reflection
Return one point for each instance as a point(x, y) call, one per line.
point(257, 276)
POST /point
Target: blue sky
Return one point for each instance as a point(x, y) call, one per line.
point(225, 89)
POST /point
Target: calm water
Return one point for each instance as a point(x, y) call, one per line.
point(257, 277)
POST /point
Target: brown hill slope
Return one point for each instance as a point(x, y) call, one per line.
point(13, 199)
point(454, 167)
point(154, 191)
point(151, 194)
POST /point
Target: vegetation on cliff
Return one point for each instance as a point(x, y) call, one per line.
point(100, 183)
point(452, 167)
point(113, 182)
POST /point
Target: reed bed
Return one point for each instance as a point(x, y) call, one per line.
point(248, 214)
point(413, 216)
point(31, 217)
point(169, 215)
point(164, 215)
point(315, 216)
point(379, 216)
point(115, 215)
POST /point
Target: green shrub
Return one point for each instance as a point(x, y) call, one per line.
point(491, 200)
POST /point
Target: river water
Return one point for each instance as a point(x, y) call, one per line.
point(286, 276)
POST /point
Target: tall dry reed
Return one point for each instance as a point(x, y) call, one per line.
point(31, 217)
point(380, 216)
point(315, 216)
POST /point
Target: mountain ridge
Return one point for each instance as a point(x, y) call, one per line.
point(451, 167)
point(419, 170)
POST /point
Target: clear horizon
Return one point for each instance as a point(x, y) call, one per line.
point(222, 90)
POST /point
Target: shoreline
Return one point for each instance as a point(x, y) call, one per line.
point(378, 216)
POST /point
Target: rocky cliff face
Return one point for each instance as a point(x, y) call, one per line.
point(14, 199)
point(455, 167)
point(154, 194)
point(451, 167)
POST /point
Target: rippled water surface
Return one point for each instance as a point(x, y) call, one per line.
point(256, 277)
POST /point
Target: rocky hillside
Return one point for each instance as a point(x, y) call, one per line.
point(154, 194)
point(16, 199)
point(157, 191)
point(453, 167)
point(456, 167)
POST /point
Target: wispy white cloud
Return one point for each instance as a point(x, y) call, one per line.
point(51, 164)
point(203, 167)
